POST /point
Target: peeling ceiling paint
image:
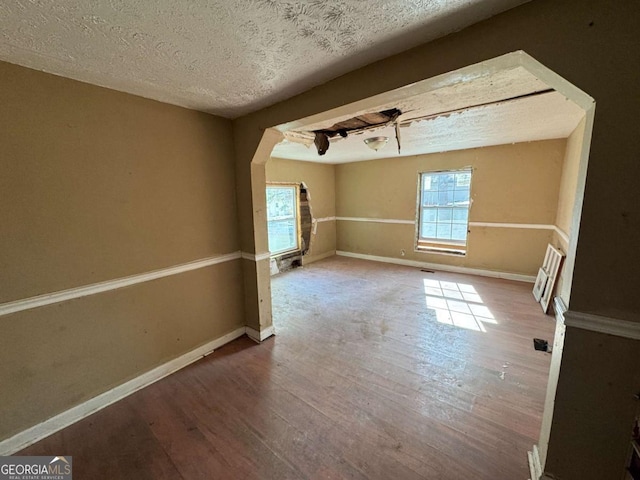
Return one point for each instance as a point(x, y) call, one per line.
point(473, 115)
point(223, 57)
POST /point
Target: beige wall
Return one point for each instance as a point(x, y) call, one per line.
point(566, 203)
point(594, 46)
point(320, 181)
point(569, 179)
point(513, 184)
point(97, 185)
point(588, 377)
point(58, 356)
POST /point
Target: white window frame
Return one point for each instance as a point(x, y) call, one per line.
point(434, 244)
point(296, 216)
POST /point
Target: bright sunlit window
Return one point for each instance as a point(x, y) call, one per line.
point(445, 198)
point(282, 218)
point(458, 305)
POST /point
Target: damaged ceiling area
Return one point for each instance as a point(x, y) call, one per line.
point(361, 123)
point(508, 106)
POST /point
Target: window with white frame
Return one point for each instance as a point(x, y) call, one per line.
point(445, 198)
point(282, 218)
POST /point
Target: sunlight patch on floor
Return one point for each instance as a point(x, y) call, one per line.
point(457, 304)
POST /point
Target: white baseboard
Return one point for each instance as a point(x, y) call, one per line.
point(307, 259)
point(535, 469)
point(48, 427)
point(437, 266)
point(253, 334)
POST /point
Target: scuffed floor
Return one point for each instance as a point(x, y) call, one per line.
point(376, 372)
point(438, 369)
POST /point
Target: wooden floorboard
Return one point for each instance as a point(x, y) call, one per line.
point(362, 381)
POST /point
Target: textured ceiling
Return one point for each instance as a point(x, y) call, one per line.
point(224, 57)
point(475, 113)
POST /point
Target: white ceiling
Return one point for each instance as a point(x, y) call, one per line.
point(224, 57)
point(479, 115)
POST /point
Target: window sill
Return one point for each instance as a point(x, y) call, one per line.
point(286, 253)
point(444, 248)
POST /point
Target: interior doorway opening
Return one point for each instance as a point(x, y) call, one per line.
point(563, 232)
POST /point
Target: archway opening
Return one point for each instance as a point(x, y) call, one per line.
point(514, 83)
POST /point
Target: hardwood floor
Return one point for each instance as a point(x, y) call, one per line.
point(364, 379)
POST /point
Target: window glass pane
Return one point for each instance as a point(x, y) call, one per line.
point(428, 230)
point(460, 215)
point(445, 181)
point(429, 199)
point(282, 224)
point(281, 202)
point(458, 232)
point(282, 235)
point(443, 231)
point(463, 179)
point(445, 197)
point(444, 215)
point(428, 184)
point(445, 200)
point(429, 214)
point(461, 197)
